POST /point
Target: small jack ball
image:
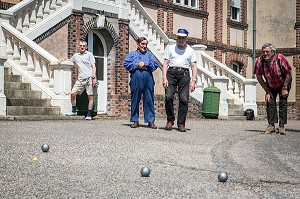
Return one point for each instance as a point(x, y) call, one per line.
point(45, 147)
point(223, 176)
point(145, 172)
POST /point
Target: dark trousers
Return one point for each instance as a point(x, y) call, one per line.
point(178, 79)
point(272, 108)
point(142, 82)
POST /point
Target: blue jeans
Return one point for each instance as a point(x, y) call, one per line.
point(272, 108)
point(177, 79)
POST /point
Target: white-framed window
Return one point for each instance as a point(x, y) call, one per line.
point(235, 10)
point(187, 3)
point(236, 67)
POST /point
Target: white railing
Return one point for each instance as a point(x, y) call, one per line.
point(237, 87)
point(142, 24)
point(38, 67)
point(28, 13)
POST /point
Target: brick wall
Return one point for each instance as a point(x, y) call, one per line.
point(160, 17)
point(228, 19)
point(203, 7)
point(118, 94)
point(218, 20)
point(74, 35)
point(296, 60)
point(244, 20)
point(170, 22)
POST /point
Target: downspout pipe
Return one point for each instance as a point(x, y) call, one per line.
point(254, 37)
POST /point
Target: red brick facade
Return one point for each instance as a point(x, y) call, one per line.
point(296, 60)
point(203, 7)
point(218, 21)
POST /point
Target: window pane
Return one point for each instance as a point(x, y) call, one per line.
point(193, 3)
point(189, 3)
point(99, 68)
point(234, 13)
point(97, 46)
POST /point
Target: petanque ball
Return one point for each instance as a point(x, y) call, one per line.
point(145, 172)
point(223, 176)
point(45, 147)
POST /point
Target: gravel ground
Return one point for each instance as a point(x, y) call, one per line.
point(103, 158)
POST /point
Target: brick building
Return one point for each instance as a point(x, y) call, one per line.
point(224, 27)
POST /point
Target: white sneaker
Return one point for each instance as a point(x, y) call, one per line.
point(71, 114)
point(88, 118)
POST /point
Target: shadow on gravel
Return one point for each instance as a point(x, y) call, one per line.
point(289, 130)
point(293, 130)
point(252, 130)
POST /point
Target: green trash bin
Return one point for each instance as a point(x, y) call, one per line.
point(82, 102)
point(211, 101)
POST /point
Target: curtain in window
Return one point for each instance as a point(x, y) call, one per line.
point(235, 3)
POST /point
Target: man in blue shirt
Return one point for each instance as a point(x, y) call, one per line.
point(141, 63)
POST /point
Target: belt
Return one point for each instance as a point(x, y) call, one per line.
point(177, 68)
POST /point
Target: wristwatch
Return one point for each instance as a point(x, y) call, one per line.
point(93, 77)
point(195, 79)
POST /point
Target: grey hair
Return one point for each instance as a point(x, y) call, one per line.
point(141, 39)
point(271, 46)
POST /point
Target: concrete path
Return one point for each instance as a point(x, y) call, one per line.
point(103, 158)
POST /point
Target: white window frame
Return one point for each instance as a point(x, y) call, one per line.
point(187, 3)
point(235, 10)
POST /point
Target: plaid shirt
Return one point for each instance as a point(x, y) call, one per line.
point(272, 71)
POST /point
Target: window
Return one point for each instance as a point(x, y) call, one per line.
point(187, 3)
point(236, 67)
point(235, 7)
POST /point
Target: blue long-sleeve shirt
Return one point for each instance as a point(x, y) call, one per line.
point(134, 57)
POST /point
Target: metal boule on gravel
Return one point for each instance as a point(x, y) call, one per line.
point(145, 172)
point(45, 147)
point(223, 176)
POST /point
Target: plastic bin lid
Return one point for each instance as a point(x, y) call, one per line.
point(212, 89)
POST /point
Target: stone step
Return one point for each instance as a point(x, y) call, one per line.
point(237, 112)
point(30, 110)
point(16, 86)
point(23, 94)
point(28, 102)
point(40, 117)
point(235, 106)
point(12, 78)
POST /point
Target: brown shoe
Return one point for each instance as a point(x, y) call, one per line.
point(269, 130)
point(152, 125)
point(169, 125)
point(281, 130)
point(135, 125)
point(181, 128)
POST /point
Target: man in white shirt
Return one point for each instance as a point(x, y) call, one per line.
point(179, 58)
point(86, 69)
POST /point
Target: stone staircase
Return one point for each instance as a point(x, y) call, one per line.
point(25, 103)
point(235, 111)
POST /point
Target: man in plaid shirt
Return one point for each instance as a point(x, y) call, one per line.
point(274, 74)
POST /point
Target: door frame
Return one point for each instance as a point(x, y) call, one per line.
point(102, 85)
